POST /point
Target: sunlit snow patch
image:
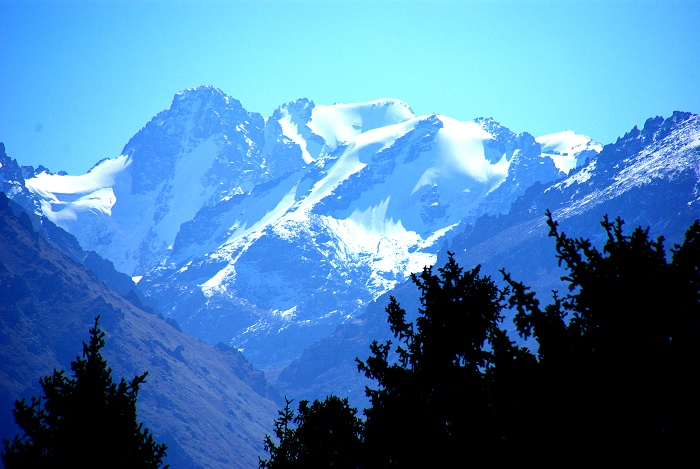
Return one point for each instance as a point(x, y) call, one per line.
point(286, 315)
point(564, 147)
point(460, 146)
point(343, 122)
point(63, 197)
point(354, 158)
point(392, 251)
point(291, 129)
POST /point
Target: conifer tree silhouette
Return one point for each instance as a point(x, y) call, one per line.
point(321, 435)
point(615, 378)
point(438, 394)
point(618, 356)
point(83, 421)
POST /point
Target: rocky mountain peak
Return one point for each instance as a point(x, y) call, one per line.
point(197, 115)
point(301, 109)
point(12, 178)
point(655, 130)
point(494, 128)
point(204, 96)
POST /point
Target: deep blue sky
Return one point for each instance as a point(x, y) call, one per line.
point(79, 78)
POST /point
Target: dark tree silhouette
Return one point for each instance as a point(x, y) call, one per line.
point(323, 435)
point(615, 378)
point(437, 395)
point(618, 354)
point(83, 421)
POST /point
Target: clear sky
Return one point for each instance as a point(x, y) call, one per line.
point(79, 78)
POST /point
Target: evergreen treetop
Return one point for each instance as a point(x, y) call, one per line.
point(85, 420)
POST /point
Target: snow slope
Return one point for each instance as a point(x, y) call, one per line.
point(65, 197)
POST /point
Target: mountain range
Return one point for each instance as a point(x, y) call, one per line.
point(266, 234)
point(280, 239)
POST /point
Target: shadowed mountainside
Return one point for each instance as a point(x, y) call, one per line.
point(208, 404)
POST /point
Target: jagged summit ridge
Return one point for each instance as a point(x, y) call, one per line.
point(664, 150)
point(203, 96)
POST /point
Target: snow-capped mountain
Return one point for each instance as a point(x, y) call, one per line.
point(268, 233)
